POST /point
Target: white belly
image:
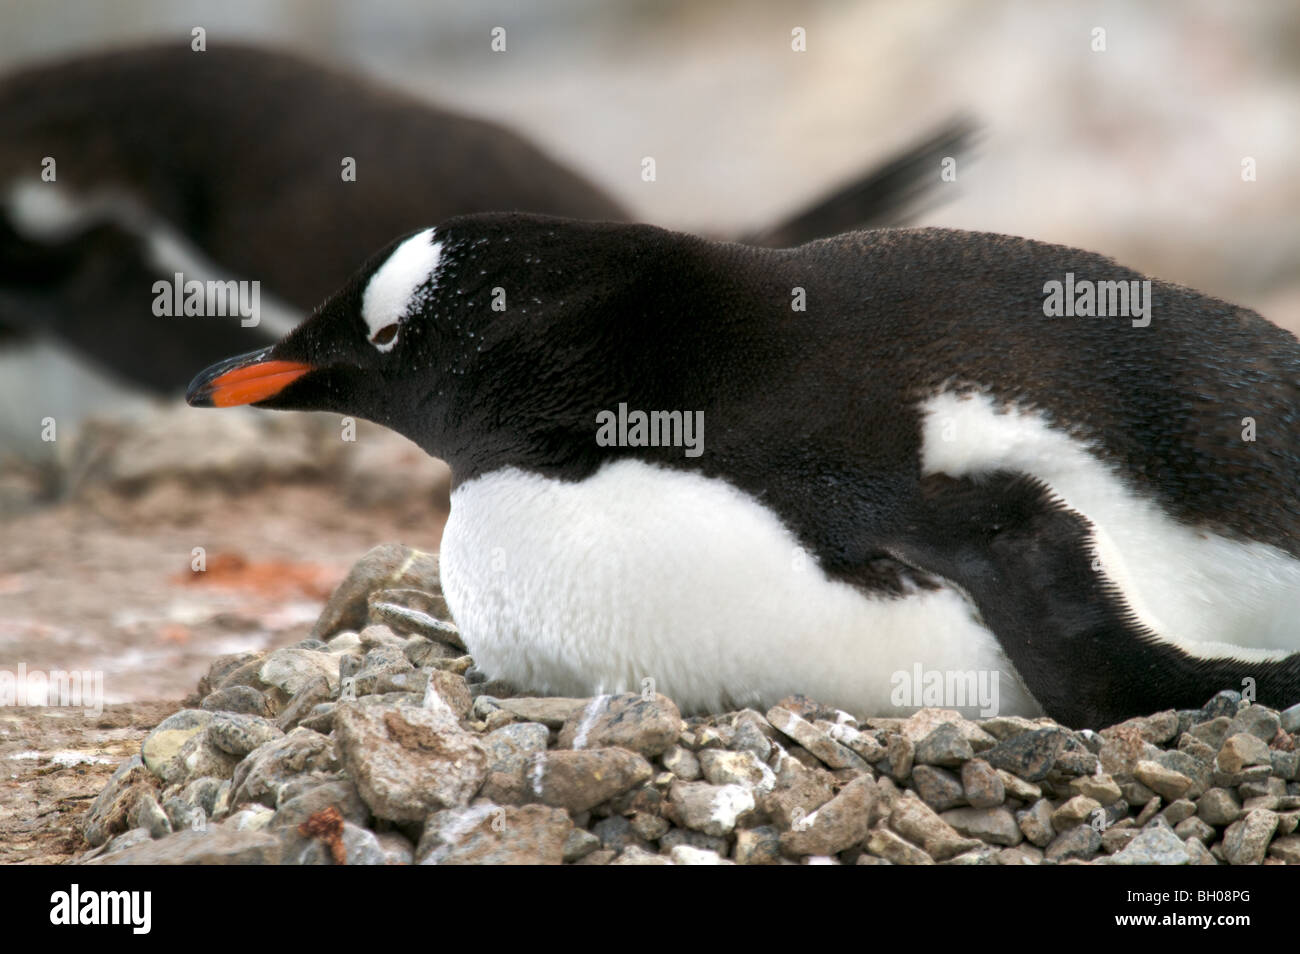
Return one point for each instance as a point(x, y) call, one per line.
point(646, 573)
point(1209, 596)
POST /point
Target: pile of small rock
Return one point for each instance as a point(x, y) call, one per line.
point(376, 741)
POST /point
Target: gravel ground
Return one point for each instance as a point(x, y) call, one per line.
point(377, 741)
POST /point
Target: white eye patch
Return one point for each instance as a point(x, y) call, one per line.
point(390, 294)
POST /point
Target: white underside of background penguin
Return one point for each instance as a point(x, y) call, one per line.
point(573, 574)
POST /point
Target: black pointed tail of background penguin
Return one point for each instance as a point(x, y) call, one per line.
point(889, 195)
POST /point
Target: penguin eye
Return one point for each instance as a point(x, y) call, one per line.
point(385, 335)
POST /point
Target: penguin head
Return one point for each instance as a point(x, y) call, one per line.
point(486, 324)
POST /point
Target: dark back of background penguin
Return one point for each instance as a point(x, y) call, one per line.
point(1066, 502)
point(227, 164)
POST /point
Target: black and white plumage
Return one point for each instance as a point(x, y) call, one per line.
point(1068, 502)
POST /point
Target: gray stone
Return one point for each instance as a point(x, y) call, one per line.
point(712, 809)
point(696, 839)
point(220, 669)
point(944, 746)
point(1017, 788)
point(1289, 719)
point(919, 824)
point(1199, 772)
point(1074, 811)
point(1035, 823)
point(109, 814)
point(243, 699)
point(939, 788)
point(830, 752)
point(981, 784)
point(292, 670)
point(758, 846)
point(510, 746)
point(1154, 846)
point(317, 692)
point(1167, 784)
point(1259, 721)
point(835, 826)
point(633, 855)
point(686, 855)
point(1195, 828)
point(800, 797)
point(1246, 841)
point(983, 855)
point(310, 794)
point(1239, 752)
point(1197, 749)
point(387, 566)
point(579, 844)
point(1021, 855)
point(1115, 840)
point(406, 761)
point(345, 642)
point(1081, 841)
point(414, 622)
point(203, 792)
point(864, 744)
point(1285, 765)
point(161, 748)
point(245, 675)
point(380, 666)
point(550, 711)
point(1029, 755)
point(128, 839)
point(649, 826)
point(883, 843)
point(1004, 727)
point(395, 847)
point(238, 734)
point(487, 834)
point(617, 833)
point(217, 845)
point(1287, 848)
point(722, 767)
point(899, 756)
point(421, 651)
point(360, 846)
point(181, 815)
point(682, 762)
point(268, 768)
point(1178, 811)
point(647, 725)
point(1156, 729)
point(1252, 773)
point(1225, 703)
point(149, 815)
point(428, 601)
point(1212, 732)
point(753, 734)
point(580, 780)
point(1102, 788)
point(1148, 811)
point(996, 826)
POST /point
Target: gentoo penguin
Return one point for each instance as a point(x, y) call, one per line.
point(228, 164)
point(744, 472)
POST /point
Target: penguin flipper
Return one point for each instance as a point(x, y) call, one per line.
point(1028, 563)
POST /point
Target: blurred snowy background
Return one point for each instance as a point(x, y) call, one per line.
point(1134, 152)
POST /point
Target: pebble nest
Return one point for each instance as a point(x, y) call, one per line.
point(376, 741)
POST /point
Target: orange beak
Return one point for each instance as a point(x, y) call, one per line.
point(243, 380)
